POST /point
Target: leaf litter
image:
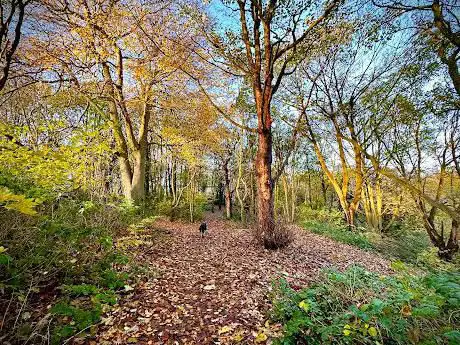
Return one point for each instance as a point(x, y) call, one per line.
point(213, 290)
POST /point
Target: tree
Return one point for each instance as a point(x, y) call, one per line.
point(12, 19)
point(328, 91)
point(441, 32)
point(264, 51)
point(113, 54)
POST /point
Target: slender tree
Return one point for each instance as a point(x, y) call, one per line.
point(264, 50)
point(12, 13)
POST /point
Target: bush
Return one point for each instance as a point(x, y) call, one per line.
point(68, 258)
point(359, 307)
point(182, 211)
point(322, 215)
point(340, 234)
point(429, 259)
point(330, 223)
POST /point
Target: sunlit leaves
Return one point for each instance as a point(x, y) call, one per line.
point(16, 202)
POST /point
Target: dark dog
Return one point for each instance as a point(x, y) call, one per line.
point(203, 229)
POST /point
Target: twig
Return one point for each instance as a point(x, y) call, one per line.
point(84, 329)
point(23, 304)
point(6, 312)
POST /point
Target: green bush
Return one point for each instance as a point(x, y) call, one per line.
point(322, 215)
point(182, 211)
point(71, 254)
point(359, 307)
point(393, 244)
point(330, 223)
point(340, 234)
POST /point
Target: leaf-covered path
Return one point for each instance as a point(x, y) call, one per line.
point(213, 290)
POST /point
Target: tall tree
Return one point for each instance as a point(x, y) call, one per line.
point(438, 22)
point(112, 52)
point(264, 50)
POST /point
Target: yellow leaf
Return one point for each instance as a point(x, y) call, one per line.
point(346, 332)
point(238, 336)
point(260, 338)
point(225, 329)
point(406, 310)
point(372, 331)
point(304, 306)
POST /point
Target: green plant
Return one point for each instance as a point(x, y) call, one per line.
point(340, 234)
point(359, 307)
point(69, 254)
point(321, 215)
point(182, 210)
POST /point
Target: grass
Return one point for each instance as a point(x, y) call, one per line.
point(408, 245)
point(340, 234)
point(361, 307)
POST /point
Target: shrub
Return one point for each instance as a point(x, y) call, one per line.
point(340, 234)
point(68, 256)
point(182, 210)
point(429, 259)
point(322, 215)
point(359, 307)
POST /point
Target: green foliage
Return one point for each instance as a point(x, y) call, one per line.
point(80, 307)
point(359, 307)
point(182, 211)
point(79, 319)
point(16, 202)
point(430, 260)
point(393, 244)
point(39, 172)
point(321, 215)
point(73, 249)
point(340, 234)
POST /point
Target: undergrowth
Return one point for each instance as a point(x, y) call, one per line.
point(403, 242)
point(61, 270)
point(340, 234)
point(359, 307)
point(182, 210)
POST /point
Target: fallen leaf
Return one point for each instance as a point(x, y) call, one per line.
point(260, 338)
point(225, 329)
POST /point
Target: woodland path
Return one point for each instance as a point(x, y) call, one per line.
point(218, 283)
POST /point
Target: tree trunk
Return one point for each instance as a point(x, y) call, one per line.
point(286, 197)
point(138, 180)
point(265, 205)
point(125, 175)
point(228, 194)
point(238, 181)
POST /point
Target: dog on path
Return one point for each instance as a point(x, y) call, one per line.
point(203, 229)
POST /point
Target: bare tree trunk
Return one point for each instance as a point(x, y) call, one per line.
point(286, 196)
point(238, 180)
point(227, 192)
point(138, 179)
point(265, 204)
point(293, 196)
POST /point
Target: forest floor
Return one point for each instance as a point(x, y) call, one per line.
point(213, 290)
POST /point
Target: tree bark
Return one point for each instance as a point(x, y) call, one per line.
point(227, 191)
point(265, 204)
